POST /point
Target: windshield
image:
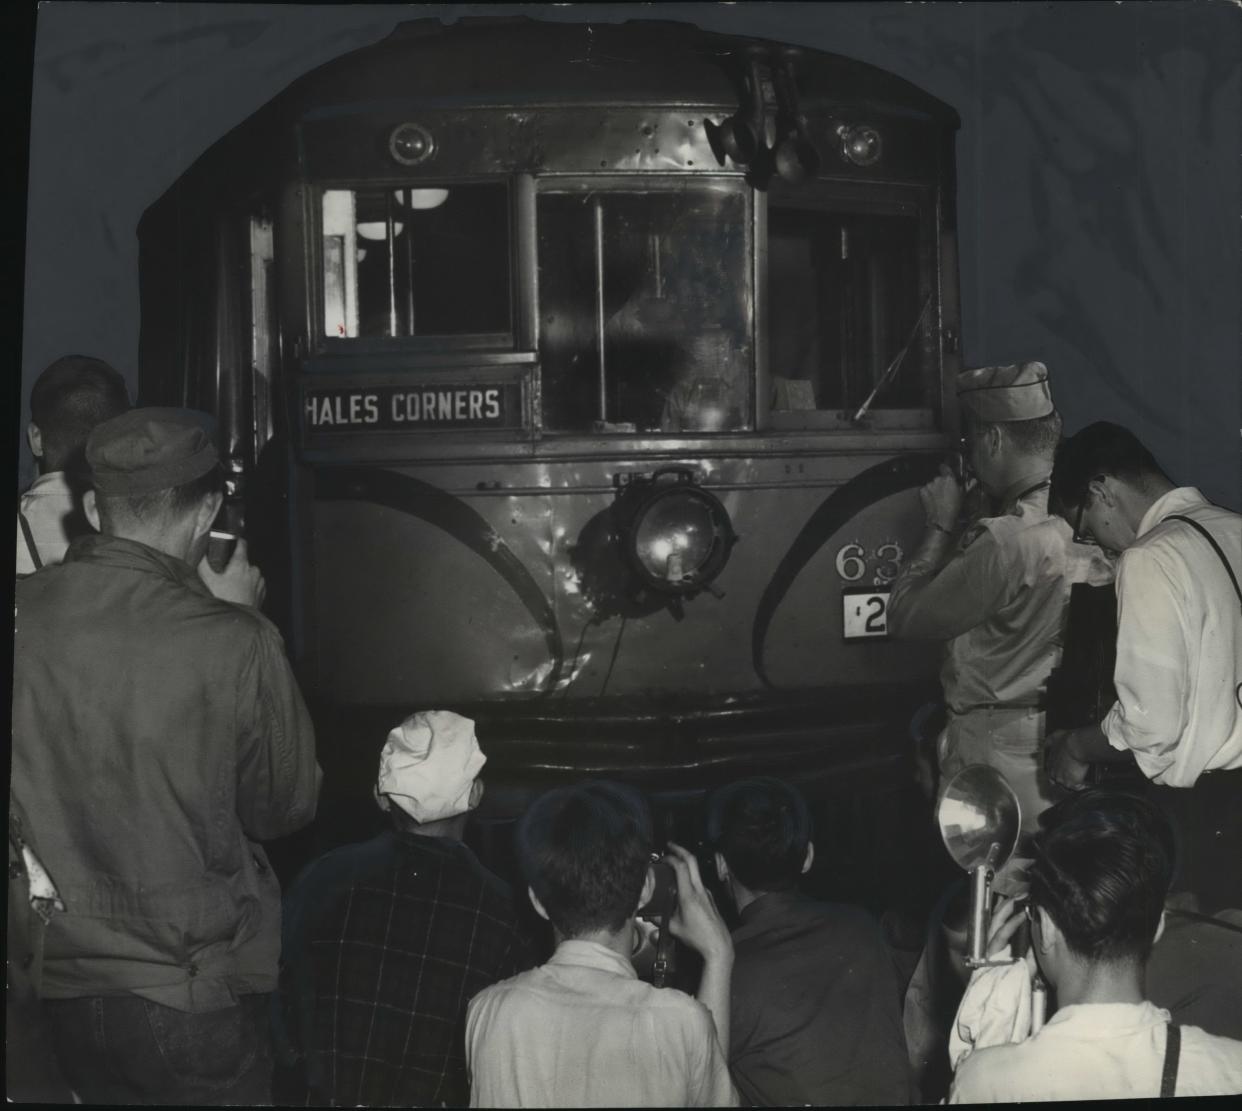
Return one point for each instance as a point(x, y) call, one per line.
point(846, 297)
point(645, 310)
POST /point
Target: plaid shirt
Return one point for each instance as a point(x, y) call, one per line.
point(385, 943)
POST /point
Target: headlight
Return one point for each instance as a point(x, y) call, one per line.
point(676, 537)
point(411, 144)
point(860, 144)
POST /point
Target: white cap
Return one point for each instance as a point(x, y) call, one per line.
point(429, 766)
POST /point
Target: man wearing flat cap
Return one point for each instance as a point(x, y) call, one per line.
point(385, 942)
point(158, 736)
point(997, 590)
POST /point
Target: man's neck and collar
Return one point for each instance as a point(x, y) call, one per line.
point(445, 830)
point(135, 555)
point(606, 950)
point(1030, 475)
point(754, 905)
point(49, 483)
point(1093, 982)
point(1173, 500)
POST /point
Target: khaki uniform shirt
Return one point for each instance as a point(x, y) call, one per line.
point(999, 601)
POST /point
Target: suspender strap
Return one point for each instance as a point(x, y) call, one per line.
point(1215, 547)
point(1172, 1051)
point(30, 544)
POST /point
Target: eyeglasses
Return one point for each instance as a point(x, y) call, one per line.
point(1081, 537)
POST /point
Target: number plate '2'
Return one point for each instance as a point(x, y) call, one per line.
point(864, 612)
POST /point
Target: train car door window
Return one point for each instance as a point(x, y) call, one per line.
point(416, 261)
point(849, 290)
point(645, 310)
point(264, 332)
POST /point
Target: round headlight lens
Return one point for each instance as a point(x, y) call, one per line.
point(678, 537)
point(861, 145)
point(675, 538)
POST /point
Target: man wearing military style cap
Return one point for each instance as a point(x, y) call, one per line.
point(158, 736)
point(996, 590)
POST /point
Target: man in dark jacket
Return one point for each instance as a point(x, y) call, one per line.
point(158, 734)
point(387, 941)
point(815, 1017)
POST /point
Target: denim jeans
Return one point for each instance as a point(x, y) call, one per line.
point(124, 1049)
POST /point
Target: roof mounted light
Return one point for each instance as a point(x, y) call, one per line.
point(411, 144)
point(860, 144)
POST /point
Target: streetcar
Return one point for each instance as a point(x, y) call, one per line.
point(580, 378)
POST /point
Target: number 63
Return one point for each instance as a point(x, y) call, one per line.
point(852, 561)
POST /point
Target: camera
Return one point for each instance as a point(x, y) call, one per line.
point(220, 548)
point(659, 909)
point(663, 901)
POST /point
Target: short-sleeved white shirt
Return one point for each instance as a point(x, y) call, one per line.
point(584, 1031)
point(1099, 1051)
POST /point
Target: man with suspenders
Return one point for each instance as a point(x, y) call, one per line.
point(1179, 649)
point(1101, 867)
point(72, 396)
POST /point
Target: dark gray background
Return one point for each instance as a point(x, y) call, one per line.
point(1098, 169)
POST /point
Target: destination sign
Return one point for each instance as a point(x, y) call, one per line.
point(413, 408)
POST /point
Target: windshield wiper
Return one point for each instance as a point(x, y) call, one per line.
point(894, 366)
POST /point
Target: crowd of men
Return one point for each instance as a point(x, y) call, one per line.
point(159, 738)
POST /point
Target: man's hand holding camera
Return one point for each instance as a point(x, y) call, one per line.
point(241, 582)
point(698, 924)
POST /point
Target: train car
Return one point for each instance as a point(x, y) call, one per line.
point(579, 377)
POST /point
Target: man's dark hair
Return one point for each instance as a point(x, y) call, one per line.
point(585, 851)
point(1102, 448)
point(1038, 436)
point(1103, 861)
point(761, 827)
point(170, 502)
point(72, 396)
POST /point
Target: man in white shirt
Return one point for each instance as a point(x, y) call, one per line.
point(70, 397)
point(583, 1030)
point(1097, 888)
point(1179, 648)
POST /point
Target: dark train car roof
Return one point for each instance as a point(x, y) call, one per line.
point(522, 60)
point(517, 60)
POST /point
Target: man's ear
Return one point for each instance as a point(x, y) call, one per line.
point(1101, 488)
point(722, 868)
point(35, 439)
point(994, 437)
point(89, 506)
point(534, 902)
point(809, 859)
point(649, 885)
point(206, 513)
point(1159, 929)
point(1047, 935)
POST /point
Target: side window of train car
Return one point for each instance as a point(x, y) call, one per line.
point(645, 310)
point(416, 261)
point(851, 306)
